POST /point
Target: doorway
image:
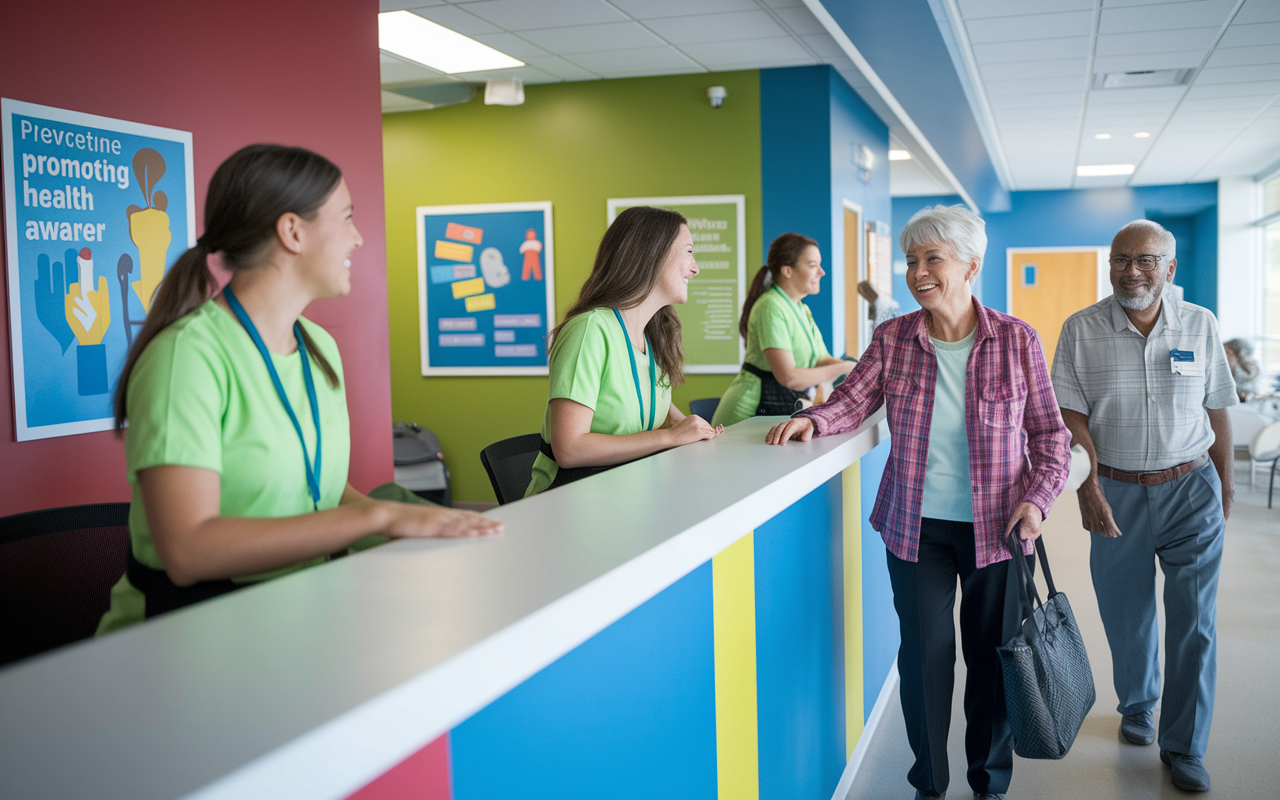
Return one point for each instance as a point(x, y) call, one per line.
point(1049, 284)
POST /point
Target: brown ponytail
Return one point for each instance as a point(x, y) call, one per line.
point(247, 195)
point(785, 251)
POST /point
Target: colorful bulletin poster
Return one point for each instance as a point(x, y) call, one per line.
point(710, 318)
point(486, 288)
point(96, 209)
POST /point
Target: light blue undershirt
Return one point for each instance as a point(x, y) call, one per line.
point(947, 493)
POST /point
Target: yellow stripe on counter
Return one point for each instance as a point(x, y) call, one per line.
point(851, 482)
point(734, 608)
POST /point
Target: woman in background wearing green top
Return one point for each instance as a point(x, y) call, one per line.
point(617, 355)
point(785, 352)
point(237, 455)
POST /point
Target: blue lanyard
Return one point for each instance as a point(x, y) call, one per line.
point(313, 474)
point(813, 348)
point(635, 373)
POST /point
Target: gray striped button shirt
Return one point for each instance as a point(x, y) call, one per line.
point(1142, 417)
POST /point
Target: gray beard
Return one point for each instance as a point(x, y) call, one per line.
point(1140, 302)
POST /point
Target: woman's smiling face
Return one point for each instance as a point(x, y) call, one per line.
point(937, 279)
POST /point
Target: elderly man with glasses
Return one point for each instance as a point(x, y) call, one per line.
point(1143, 385)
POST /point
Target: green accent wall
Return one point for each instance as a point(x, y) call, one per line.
point(575, 144)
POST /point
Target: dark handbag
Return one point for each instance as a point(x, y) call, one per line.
point(1048, 683)
point(775, 399)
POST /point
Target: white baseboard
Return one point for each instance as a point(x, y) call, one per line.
point(864, 741)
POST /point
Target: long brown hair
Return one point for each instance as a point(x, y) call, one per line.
point(247, 195)
point(785, 251)
point(627, 267)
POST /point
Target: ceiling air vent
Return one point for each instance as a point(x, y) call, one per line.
point(1142, 79)
point(436, 94)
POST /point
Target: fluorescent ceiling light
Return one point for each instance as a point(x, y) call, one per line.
point(1141, 135)
point(409, 36)
point(899, 155)
point(1100, 170)
point(1102, 136)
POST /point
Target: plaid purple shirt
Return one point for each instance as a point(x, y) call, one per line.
point(1019, 449)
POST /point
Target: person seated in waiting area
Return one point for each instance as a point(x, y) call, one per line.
point(786, 356)
point(617, 355)
point(238, 438)
point(1244, 370)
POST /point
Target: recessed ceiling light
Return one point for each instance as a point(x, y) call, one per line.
point(899, 155)
point(1099, 170)
point(411, 37)
point(1141, 135)
point(1102, 136)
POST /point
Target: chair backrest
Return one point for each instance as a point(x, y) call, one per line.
point(57, 568)
point(705, 407)
point(510, 465)
point(1265, 444)
point(1244, 424)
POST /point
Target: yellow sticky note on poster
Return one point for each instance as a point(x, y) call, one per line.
point(481, 302)
point(467, 288)
point(453, 251)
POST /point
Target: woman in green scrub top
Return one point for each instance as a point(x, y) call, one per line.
point(238, 438)
point(617, 355)
point(785, 352)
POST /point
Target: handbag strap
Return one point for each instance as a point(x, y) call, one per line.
point(1029, 596)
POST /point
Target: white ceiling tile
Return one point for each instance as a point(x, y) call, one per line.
point(1248, 35)
point(1258, 11)
point(1210, 76)
point(717, 27)
point(1235, 90)
point(1033, 86)
point(910, 179)
point(995, 53)
point(1164, 17)
point(1108, 182)
point(801, 21)
point(1244, 56)
point(404, 5)
point(1044, 100)
point(1057, 68)
point(593, 38)
point(519, 15)
point(634, 63)
point(655, 9)
point(731, 55)
point(824, 46)
point(1128, 97)
point(396, 71)
point(393, 103)
point(510, 44)
point(527, 75)
point(557, 66)
point(1211, 102)
point(1136, 62)
point(455, 19)
point(1125, 44)
point(975, 9)
point(842, 64)
point(1030, 26)
point(783, 3)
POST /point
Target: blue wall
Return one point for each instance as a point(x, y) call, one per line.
point(1087, 217)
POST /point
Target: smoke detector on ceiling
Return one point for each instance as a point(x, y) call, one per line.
point(1142, 79)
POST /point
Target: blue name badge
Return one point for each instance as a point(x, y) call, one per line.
point(1183, 362)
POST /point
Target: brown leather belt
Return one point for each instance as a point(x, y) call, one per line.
point(1153, 478)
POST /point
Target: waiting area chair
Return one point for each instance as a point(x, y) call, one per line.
point(510, 465)
point(57, 568)
point(705, 407)
point(1264, 452)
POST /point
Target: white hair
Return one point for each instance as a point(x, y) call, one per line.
point(1167, 240)
point(954, 227)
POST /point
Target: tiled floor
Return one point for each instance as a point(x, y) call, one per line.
point(1244, 748)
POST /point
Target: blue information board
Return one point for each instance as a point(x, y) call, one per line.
point(486, 288)
point(96, 209)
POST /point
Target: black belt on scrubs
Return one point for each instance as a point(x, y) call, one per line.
point(775, 399)
point(570, 474)
point(163, 595)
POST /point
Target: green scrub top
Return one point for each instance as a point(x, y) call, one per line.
point(590, 365)
point(779, 323)
point(200, 396)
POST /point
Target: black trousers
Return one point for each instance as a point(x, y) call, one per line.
point(924, 595)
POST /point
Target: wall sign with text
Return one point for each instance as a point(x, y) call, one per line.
point(486, 288)
point(96, 209)
point(710, 318)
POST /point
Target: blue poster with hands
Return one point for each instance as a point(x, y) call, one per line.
point(96, 210)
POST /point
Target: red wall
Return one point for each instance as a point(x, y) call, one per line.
point(299, 72)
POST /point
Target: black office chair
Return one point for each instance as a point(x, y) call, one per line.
point(705, 408)
point(510, 465)
point(57, 568)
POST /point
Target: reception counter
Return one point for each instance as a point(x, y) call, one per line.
point(713, 621)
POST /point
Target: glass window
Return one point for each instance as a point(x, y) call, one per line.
point(1271, 196)
point(1270, 355)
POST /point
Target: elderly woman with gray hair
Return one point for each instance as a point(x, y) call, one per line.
point(977, 446)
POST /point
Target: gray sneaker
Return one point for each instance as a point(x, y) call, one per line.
point(1189, 773)
point(1138, 728)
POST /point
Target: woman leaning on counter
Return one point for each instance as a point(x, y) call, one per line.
point(977, 445)
point(617, 355)
point(238, 438)
point(785, 352)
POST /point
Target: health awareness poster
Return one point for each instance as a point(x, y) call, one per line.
point(710, 318)
point(486, 284)
point(96, 209)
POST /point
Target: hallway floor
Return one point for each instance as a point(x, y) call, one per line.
point(1244, 747)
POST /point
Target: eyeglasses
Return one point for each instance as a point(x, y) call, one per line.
point(1146, 263)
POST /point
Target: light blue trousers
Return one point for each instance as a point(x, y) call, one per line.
point(1180, 524)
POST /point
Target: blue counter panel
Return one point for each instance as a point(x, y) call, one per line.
point(628, 714)
point(801, 747)
point(880, 634)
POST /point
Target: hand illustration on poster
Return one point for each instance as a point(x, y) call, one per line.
point(72, 186)
point(474, 318)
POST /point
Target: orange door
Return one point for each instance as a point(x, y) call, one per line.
point(1048, 287)
point(852, 274)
